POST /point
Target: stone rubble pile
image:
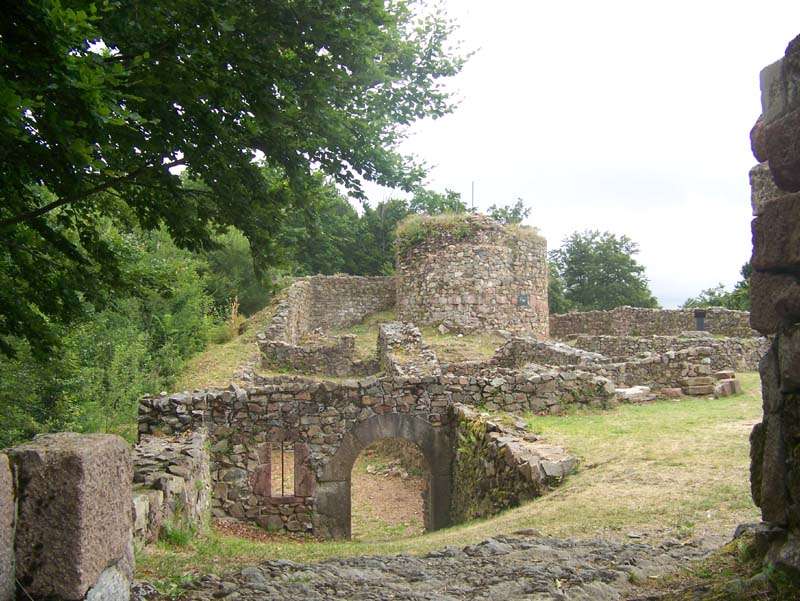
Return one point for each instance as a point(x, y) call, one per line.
point(401, 351)
point(523, 565)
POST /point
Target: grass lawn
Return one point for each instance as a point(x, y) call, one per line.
point(671, 468)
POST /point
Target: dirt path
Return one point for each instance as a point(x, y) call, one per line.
point(386, 504)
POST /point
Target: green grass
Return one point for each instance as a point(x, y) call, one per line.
point(670, 468)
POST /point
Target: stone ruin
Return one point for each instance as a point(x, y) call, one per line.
point(775, 296)
point(280, 451)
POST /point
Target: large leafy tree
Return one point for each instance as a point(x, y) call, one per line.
point(101, 103)
point(599, 271)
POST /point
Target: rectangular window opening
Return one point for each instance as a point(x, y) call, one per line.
point(282, 469)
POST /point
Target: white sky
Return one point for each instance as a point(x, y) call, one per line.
point(627, 116)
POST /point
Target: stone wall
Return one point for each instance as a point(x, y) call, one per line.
point(296, 337)
point(775, 296)
point(172, 483)
point(8, 510)
point(402, 352)
point(519, 351)
point(498, 467)
point(633, 321)
point(73, 537)
point(738, 354)
point(484, 277)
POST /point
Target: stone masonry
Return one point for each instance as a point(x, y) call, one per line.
point(775, 294)
point(738, 354)
point(634, 321)
point(73, 537)
point(493, 278)
point(401, 351)
point(310, 307)
point(172, 483)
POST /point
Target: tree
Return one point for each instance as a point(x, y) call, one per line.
point(738, 298)
point(100, 105)
point(599, 271)
point(556, 298)
point(436, 203)
point(510, 214)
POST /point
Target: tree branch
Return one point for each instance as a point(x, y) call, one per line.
point(35, 213)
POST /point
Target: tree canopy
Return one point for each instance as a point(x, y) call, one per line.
point(100, 103)
point(597, 270)
point(738, 298)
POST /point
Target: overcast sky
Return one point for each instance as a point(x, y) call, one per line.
point(631, 117)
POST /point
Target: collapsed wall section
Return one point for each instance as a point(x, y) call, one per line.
point(471, 273)
point(635, 321)
point(498, 466)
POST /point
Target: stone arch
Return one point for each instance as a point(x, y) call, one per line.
point(333, 483)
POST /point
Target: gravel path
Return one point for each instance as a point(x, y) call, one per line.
point(521, 566)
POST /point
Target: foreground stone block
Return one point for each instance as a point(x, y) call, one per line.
point(74, 513)
point(7, 511)
point(763, 190)
point(774, 298)
point(776, 235)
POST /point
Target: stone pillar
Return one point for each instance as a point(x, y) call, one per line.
point(74, 535)
point(775, 299)
point(8, 510)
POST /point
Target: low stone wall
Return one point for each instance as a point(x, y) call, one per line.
point(633, 321)
point(172, 483)
point(296, 337)
point(659, 371)
point(331, 356)
point(738, 354)
point(8, 510)
point(518, 351)
point(73, 537)
point(402, 352)
point(498, 467)
point(326, 303)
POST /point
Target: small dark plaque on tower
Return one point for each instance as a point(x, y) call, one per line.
point(522, 300)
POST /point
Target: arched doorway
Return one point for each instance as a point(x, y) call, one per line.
point(333, 486)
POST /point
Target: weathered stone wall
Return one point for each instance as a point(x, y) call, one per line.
point(8, 510)
point(634, 321)
point(326, 303)
point(172, 483)
point(74, 529)
point(495, 277)
point(402, 352)
point(738, 354)
point(498, 467)
point(312, 306)
point(775, 297)
point(519, 351)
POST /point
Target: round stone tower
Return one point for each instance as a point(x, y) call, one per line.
point(470, 273)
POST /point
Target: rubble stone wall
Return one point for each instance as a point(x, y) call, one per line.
point(498, 467)
point(483, 276)
point(775, 298)
point(172, 483)
point(519, 351)
point(310, 307)
point(402, 352)
point(738, 354)
point(634, 321)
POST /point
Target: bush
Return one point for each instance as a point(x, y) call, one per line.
point(416, 229)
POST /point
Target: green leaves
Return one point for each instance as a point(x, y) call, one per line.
point(598, 271)
point(106, 100)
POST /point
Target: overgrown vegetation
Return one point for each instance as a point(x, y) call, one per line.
point(416, 229)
